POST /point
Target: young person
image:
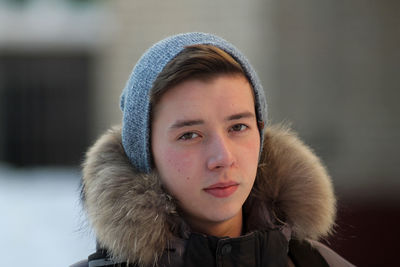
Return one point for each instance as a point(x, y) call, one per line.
point(194, 178)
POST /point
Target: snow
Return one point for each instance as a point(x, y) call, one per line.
point(41, 222)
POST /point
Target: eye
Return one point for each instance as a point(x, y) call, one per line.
point(238, 127)
point(188, 136)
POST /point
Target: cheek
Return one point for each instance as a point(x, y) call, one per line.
point(250, 154)
point(178, 173)
point(178, 164)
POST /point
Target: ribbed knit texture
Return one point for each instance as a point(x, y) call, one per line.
point(135, 98)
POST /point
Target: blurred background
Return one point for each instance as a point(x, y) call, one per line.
point(330, 68)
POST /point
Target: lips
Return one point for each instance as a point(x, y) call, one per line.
point(222, 190)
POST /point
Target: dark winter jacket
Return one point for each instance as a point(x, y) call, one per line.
point(290, 207)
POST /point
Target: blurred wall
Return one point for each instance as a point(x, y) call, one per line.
point(336, 78)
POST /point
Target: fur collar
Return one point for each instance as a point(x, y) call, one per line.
point(136, 220)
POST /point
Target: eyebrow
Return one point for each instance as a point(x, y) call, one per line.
point(185, 123)
point(240, 116)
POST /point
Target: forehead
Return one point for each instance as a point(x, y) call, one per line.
point(222, 94)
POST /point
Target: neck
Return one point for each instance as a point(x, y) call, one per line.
point(231, 227)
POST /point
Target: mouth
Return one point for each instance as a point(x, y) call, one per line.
point(222, 190)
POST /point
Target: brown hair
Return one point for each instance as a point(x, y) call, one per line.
point(203, 62)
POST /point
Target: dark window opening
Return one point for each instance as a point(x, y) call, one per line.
point(44, 108)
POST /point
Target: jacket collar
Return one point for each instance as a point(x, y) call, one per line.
point(136, 220)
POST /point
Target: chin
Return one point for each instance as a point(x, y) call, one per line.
point(224, 213)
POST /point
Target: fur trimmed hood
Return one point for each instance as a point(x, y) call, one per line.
point(136, 220)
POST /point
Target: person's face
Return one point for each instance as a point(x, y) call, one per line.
point(205, 145)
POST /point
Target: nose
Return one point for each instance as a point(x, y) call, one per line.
point(220, 153)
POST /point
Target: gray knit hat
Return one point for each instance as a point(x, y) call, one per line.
point(135, 98)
